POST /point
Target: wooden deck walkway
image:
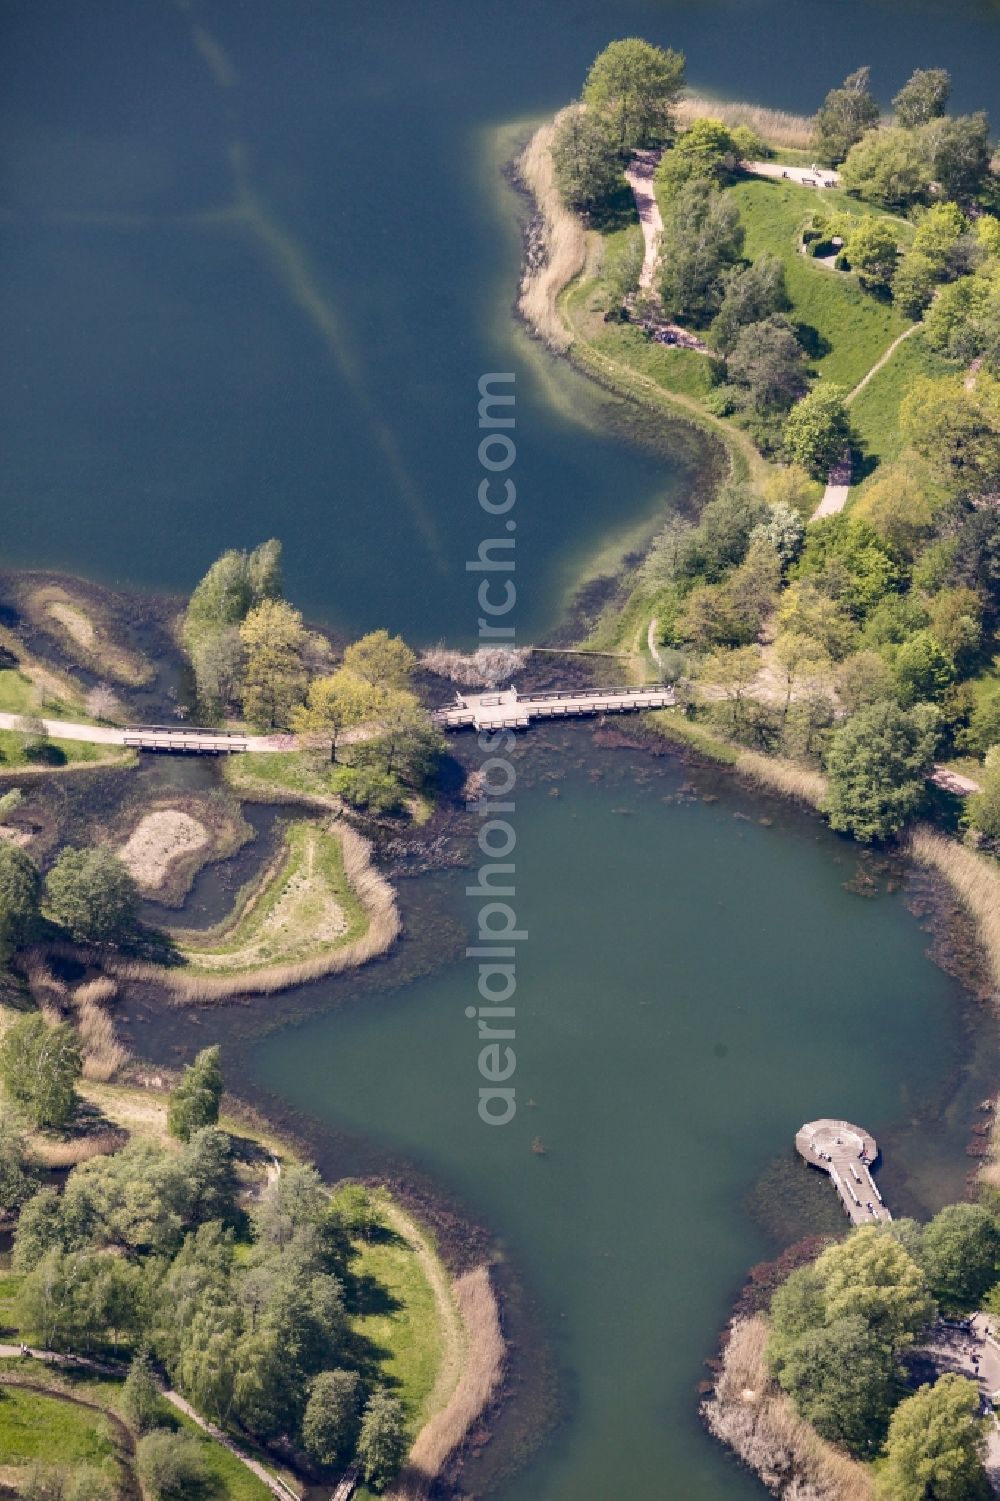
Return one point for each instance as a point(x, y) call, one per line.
point(505, 709)
point(847, 1154)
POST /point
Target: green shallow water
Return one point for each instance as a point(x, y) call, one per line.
point(694, 986)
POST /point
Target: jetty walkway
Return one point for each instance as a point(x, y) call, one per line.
point(506, 709)
point(847, 1153)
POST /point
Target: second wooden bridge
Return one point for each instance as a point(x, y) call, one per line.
point(506, 709)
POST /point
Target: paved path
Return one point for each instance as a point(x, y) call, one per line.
point(103, 734)
point(953, 781)
point(639, 176)
point(651, 642)
point(838, 488)
point(809, 177)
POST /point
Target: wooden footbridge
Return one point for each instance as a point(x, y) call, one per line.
point(506, 709)
point(847, 1153)
point(185, 742)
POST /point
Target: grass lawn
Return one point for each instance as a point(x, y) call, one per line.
point(875, 410)
point(849, 328)
point(304, 906)
point(274, 772)
point(398, 1314)
point(673, 369)
point(17, 693)
point(64, 752)
point(33, 1427)
point(229, 1480)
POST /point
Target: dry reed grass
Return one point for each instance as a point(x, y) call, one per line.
point(375, 895)
point(563, 243)
point(60, 1154)
point(99, 992)
point(776, 126)
point(749, 1413)
point(103, 1054)
point(973, 878)
point(482, 1370)
point(786, 777)
point(50, 994)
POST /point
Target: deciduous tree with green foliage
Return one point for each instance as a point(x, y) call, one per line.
point(844, 117)
point(195, 1101)
point(702, 236)
point(19, 891)
point(39, 1068)
point(936, 1446)
point(140, 1398)
point(750, 294)
point(817, 430)
point(170, 1465)
point(705, 151)
point(878, 763)
point(332, 1417)
point(888, 167)
point(586, 161)
point(17, 1180)
point(274, 677)
point(382, 1441)
point(634, 86)
point(923, 97)
point(960, 1252)
point(91, 894)
point(872, 251)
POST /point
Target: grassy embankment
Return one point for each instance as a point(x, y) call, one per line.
point(76, 616)
point(320, 907)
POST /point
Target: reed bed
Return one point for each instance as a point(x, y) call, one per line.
point(486, 668)
point(48, 992)
point(482, 1371)
point(973, 878)
point(99, 992)
point(375, 895)
point(776, 126)
point(748, 1412)
point(562, 251)
point(786, 777)
point(103, 1055)
point(62, 1154)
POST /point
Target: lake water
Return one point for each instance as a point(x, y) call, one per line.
point(695, 985)
point(256, 257)
point(254, 261)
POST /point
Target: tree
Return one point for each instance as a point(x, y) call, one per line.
point(963, 322)
point(982, 809)
point(723, 534)
point(170, 1465)
point(913, 283)
point(768, 362)
point(274, 678)
point(865, 678)
point(586, 161)
point(19, 888)
point(294, 1201)
point(233, 585)
point(872, 251)
point(888, 167)
point(702, 235)
point(336, 703)
point(634, 86)
point(955, 427)
point(217, 658)
point(207, 1164)
point(140, 1396)
point(331, 1420)
point(872, 1275)
point(195, 1101)
point(705, 151)
point(842, 1383)
point(923, 97)
point(817, 430)
point(103, 703)
point(844, 117)
point(938, 236)
point(750, 294)
point(960, 1251)
point(90, 892)
point(623, 274)
point(381, 660)
point(39, 1067)
point(936, 1446)
point(924, 669)
point(957, 622)
point(382, 1441)
point(959, 150)
point(17, 1181)
point(784, 529)
point(877, 764)
point(897, 502)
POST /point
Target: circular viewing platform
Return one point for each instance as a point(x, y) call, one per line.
point(847, 1153)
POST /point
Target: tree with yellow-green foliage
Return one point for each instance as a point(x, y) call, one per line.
point(955, 427)
point(335, 703)
point(382, 660)
point(936, 1447)
point(274, 679)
